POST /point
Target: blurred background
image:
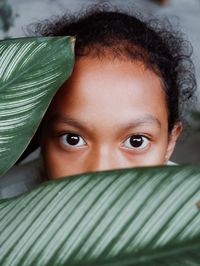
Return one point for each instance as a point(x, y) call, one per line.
point(16, 15)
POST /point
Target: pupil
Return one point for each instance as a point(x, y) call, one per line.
point(72, 139)
point(136, 141)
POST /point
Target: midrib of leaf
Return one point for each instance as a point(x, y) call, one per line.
point(142, 258)
point(79, 220)
point(158, 254)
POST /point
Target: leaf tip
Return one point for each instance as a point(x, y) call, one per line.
point(73, 40)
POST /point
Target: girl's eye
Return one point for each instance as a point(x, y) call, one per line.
point(72, 140)
point(136, 142)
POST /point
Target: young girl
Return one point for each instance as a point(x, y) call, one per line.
point(123, 104)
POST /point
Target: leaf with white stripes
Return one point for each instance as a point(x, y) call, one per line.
point(31, 71)
point(144, 216)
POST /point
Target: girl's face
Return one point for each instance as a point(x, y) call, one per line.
point(108, 115)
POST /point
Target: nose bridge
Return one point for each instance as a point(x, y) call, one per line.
point(102, 159)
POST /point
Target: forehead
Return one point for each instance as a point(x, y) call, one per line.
point(111, 88)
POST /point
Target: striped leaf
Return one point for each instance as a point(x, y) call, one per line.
point(144, 216)
point(31, 71)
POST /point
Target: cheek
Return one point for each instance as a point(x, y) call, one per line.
point(159, 150)
point(50, 158)
point(155, 155)
point(59, 163)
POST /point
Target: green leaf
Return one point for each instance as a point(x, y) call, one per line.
point(31, 71)
point(145, 216)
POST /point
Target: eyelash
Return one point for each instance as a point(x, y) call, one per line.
point(137, 136)
point(74, 138)
point(139, 139)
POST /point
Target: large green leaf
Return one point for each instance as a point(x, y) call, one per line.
point(31, 71)
point(144, 216)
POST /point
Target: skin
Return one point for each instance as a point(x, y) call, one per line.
point(117, 111)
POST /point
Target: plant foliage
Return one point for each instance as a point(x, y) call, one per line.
point(144, 216)
point(31, 71)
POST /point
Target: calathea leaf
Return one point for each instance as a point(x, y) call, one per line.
point(31, 71)
point(144, 216)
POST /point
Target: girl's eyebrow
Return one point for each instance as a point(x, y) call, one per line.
point(147, 119)
point(58, 118)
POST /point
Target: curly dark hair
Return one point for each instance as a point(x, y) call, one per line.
point(103, 31)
